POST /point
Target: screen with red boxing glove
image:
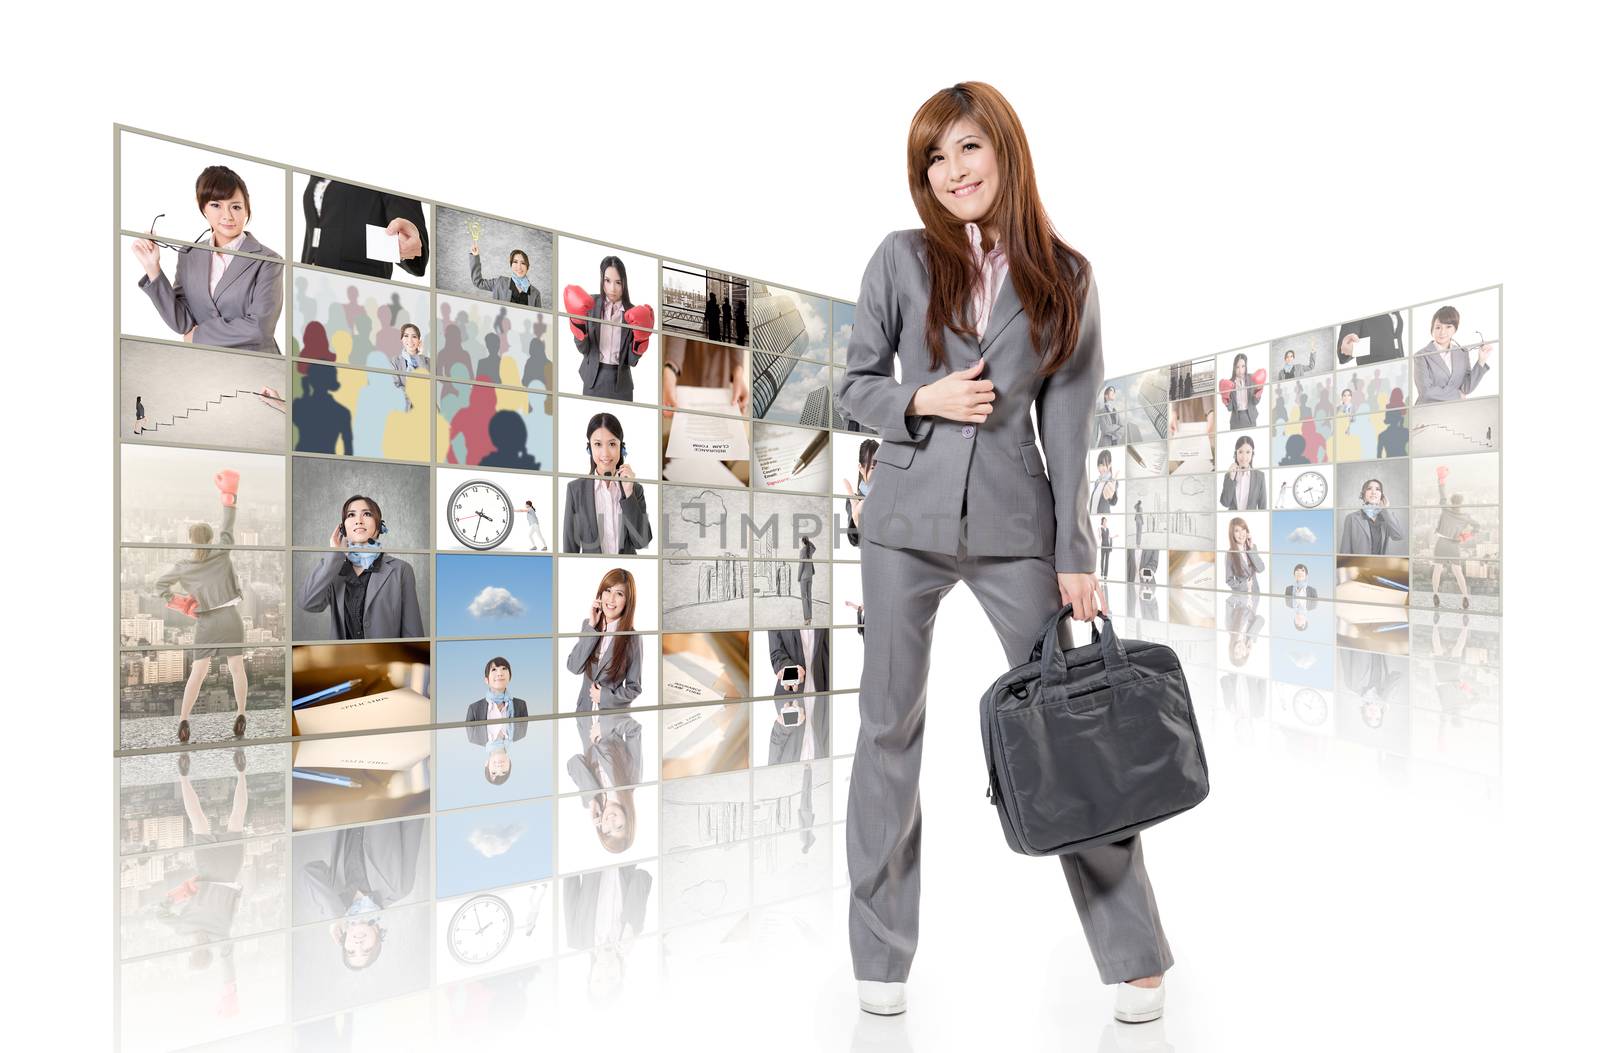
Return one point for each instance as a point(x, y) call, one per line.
point(227, 481)
point(643, 316)
point(577, 301)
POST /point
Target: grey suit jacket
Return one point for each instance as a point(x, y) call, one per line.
point(929, 466)
point(619, 753)
point(580, 525)
point(212, 582)
point(391, 608)
point(501, 285)
point(589, 346)
point(612, 695)
point(1355, 539)
point(580, 902)
point(479, 710)
point(1444, 376)
point(244, 310)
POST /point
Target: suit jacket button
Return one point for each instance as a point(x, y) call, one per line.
point(966, 432)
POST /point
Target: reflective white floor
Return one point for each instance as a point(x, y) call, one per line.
point(1329, 894)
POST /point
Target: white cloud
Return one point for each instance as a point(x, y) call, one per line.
point(495, 602)
point(495, 840)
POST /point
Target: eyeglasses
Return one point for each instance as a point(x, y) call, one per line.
point(174, 244)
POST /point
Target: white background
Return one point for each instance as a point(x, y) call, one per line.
point(1235, 174)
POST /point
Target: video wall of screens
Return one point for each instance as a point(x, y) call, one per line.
point(386, 463)
point(1357, 462)
point(471, 511)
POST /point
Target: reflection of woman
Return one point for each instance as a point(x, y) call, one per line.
point(211, 595)
point(218, 298)
point(1244, 562)
point(1241, 392)
point(609, 351)
point(1103, 488)
point(515, 288)
point(204, 905)
point(612, 665)
point(1243, 480)
point(368, 868)
point(925, 394)
point(611, 758)
point(368, 593)
point(866, 464)
point(1455, 528)
point(1369, 529)
point(605, 510)
point(807, 737)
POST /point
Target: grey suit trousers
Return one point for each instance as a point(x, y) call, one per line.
point(883, 831)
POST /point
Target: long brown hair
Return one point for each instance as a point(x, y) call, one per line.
point(623, 646)
point(1050, 277)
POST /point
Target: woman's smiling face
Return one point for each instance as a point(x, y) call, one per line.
point(605, 448)
point(227, 217)
point(963, 171)
point(614, 601)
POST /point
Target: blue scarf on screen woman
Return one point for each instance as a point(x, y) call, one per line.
point(521, 283)
point(1371, 509)
point(363, 559)
point(499, 698)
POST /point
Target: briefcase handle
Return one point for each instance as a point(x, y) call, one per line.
point(1111, 649)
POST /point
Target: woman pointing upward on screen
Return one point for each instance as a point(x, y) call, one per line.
point(992, 315)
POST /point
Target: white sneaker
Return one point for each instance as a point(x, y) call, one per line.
point(1135, 1005)
point(884, 999)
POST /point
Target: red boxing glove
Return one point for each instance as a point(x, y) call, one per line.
point(1259, 377)
point(184, 605)
point(1441, 472)
point(1226, 387)
point(1465, 535)
point(227, 481)
point(643, 316)
point(579, 302)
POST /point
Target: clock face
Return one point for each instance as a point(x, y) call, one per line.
point(479, 929)
point(480, 514)
point(1310, 488)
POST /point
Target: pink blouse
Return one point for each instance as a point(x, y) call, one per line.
point(993, 267)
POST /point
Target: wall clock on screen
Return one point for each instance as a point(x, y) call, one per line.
point(479, 929)
point(1310, 489)
point(480, 514)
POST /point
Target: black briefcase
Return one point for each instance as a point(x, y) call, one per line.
point(1091, 744)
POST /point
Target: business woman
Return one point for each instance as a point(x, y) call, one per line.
point(1109, 419)
point(1244, 564)
point(990, 314)
point(1241, 393)
point(1243, 484)
point(211, 596)
point(609, 350)
point(866, 464)
point(368, 594)
point(1368, 530)
point(516, 287)
point(1455, 529)
point(605, 510)
point(1103, 490)
point(610, 657)
point(808, 571)
point(216, 297)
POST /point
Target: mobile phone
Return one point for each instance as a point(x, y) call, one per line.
point(790, 675)
point(790, 715)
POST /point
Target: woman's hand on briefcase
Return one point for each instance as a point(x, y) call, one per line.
point(1083, 592)
point(955, 396)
